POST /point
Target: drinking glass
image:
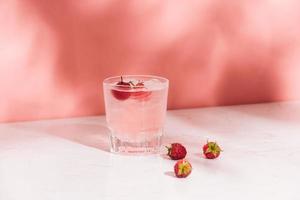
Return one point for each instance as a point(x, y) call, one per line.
point(135, 107)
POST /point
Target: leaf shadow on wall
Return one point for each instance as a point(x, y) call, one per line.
point(88, 50)
point(114, 37)
point(249, 67)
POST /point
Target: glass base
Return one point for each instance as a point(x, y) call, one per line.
point(149, 146)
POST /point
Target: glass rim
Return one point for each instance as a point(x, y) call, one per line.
point(163, 79)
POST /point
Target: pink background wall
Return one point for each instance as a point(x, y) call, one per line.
point(55, 54)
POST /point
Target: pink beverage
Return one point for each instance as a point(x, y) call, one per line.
point(135, 109)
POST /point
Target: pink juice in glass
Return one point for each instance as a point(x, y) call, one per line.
point(135, 109)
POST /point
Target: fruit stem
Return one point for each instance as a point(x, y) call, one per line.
point(121, 79)
point(169, 149)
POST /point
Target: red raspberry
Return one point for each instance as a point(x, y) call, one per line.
point(211, 150)
point(119, 92)
point(182, 168)
point(176, 151)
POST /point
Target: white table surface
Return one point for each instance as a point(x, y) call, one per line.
point(68, 159)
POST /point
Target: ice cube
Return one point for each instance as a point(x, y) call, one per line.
point(153, 84)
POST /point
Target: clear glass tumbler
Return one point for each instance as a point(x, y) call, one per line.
point(135, 107)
